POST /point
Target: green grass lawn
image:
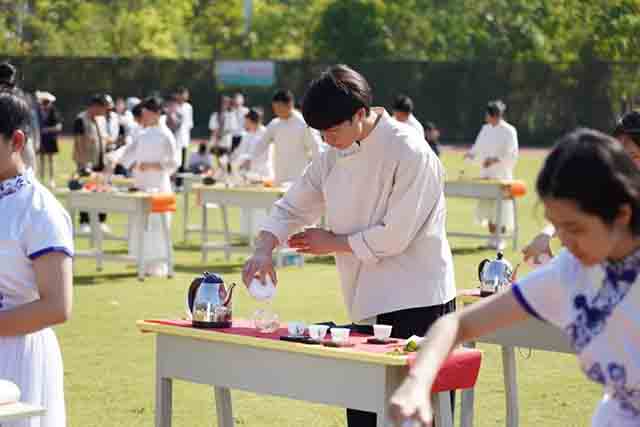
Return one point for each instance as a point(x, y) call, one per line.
point(109, 365)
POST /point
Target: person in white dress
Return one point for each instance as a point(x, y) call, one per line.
point(153, 156)
point(256, 169)
point(496, 149)
point(261, 166)
point(294, 142)
point(590, 189)
point(221, 125)
point(403, 112)
point(239, 112)
point(183, 135)
point(36, 241)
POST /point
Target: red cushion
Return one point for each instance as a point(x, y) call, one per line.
point(459, 371)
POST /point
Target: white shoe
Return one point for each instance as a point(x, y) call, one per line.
point(85, 229)
point(105, 228)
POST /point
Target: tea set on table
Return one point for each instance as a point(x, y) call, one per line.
point(209, 306)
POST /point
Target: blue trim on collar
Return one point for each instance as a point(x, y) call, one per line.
point(50, 249)
point(517, 293)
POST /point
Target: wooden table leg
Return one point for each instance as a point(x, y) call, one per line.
point(510, 385)
point(499, 221)
point(204, 232)
point(442, 413)
point(164, 402)
point(96, 233)
point(468, 395)
point(142, 221)
point(166, 228)
point(224, 408)
point(227, 233)
point(185, 211)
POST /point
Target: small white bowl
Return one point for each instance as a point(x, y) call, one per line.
point(318, 332)
point(382, 332)
point(296, 329)
point(340, 335)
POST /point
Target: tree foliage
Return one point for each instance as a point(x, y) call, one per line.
point(554, 31)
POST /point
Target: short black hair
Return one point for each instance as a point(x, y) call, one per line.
point(496, 108)
point(283, 95)
point(593, 170)
point(629, 124)
point(430, 126)
point(99, 99)
point(15, 113)
point(152, 103)
point(335, 97)
point(137, 110)
point(254, 115)
point(403, 104)
point(7, 74)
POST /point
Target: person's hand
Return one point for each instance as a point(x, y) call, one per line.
point(245, 165)
point(260, 265)
point(539, 245)
point(410, 405)
point(315, 241)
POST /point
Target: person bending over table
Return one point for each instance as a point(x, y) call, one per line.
point(591, 194)
point(627, 131)
point(381, 189)
point(36, 247)
point(496, 149)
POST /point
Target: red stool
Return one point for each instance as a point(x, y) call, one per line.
point(459, 372)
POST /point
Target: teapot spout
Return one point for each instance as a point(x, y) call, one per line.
point(230, 294)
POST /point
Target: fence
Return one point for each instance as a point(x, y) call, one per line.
point(544, 100)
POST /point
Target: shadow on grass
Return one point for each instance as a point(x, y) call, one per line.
point(324, 260)
point(213, 268)
point(102, 278)
point(469, 250)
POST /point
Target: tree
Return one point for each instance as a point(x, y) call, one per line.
point(352, 30)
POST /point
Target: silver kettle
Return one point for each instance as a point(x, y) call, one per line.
point(495, 275)
point(209, 302)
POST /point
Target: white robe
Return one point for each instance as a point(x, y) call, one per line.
point(295, 144)
point(33, 224)
point(152, 144)
point(501, 142)
point(261, 167)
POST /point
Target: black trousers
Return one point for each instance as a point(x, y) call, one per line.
point(183, 166)
point(413, 321)
point(84, 216)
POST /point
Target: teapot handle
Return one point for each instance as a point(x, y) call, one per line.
point(481, 267)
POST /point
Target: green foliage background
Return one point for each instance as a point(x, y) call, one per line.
point(348, 30)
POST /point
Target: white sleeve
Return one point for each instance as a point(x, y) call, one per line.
point(188, 115)
point(213, 121)
point(172, 153)
point(543, 293)
point(509, 152)
point(302, 205)
point(312, 141)
point(262, 144)
point(49, 230)
point(478, 146)
point(417, 191)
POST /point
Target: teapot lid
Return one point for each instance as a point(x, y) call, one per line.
point(212, 278)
